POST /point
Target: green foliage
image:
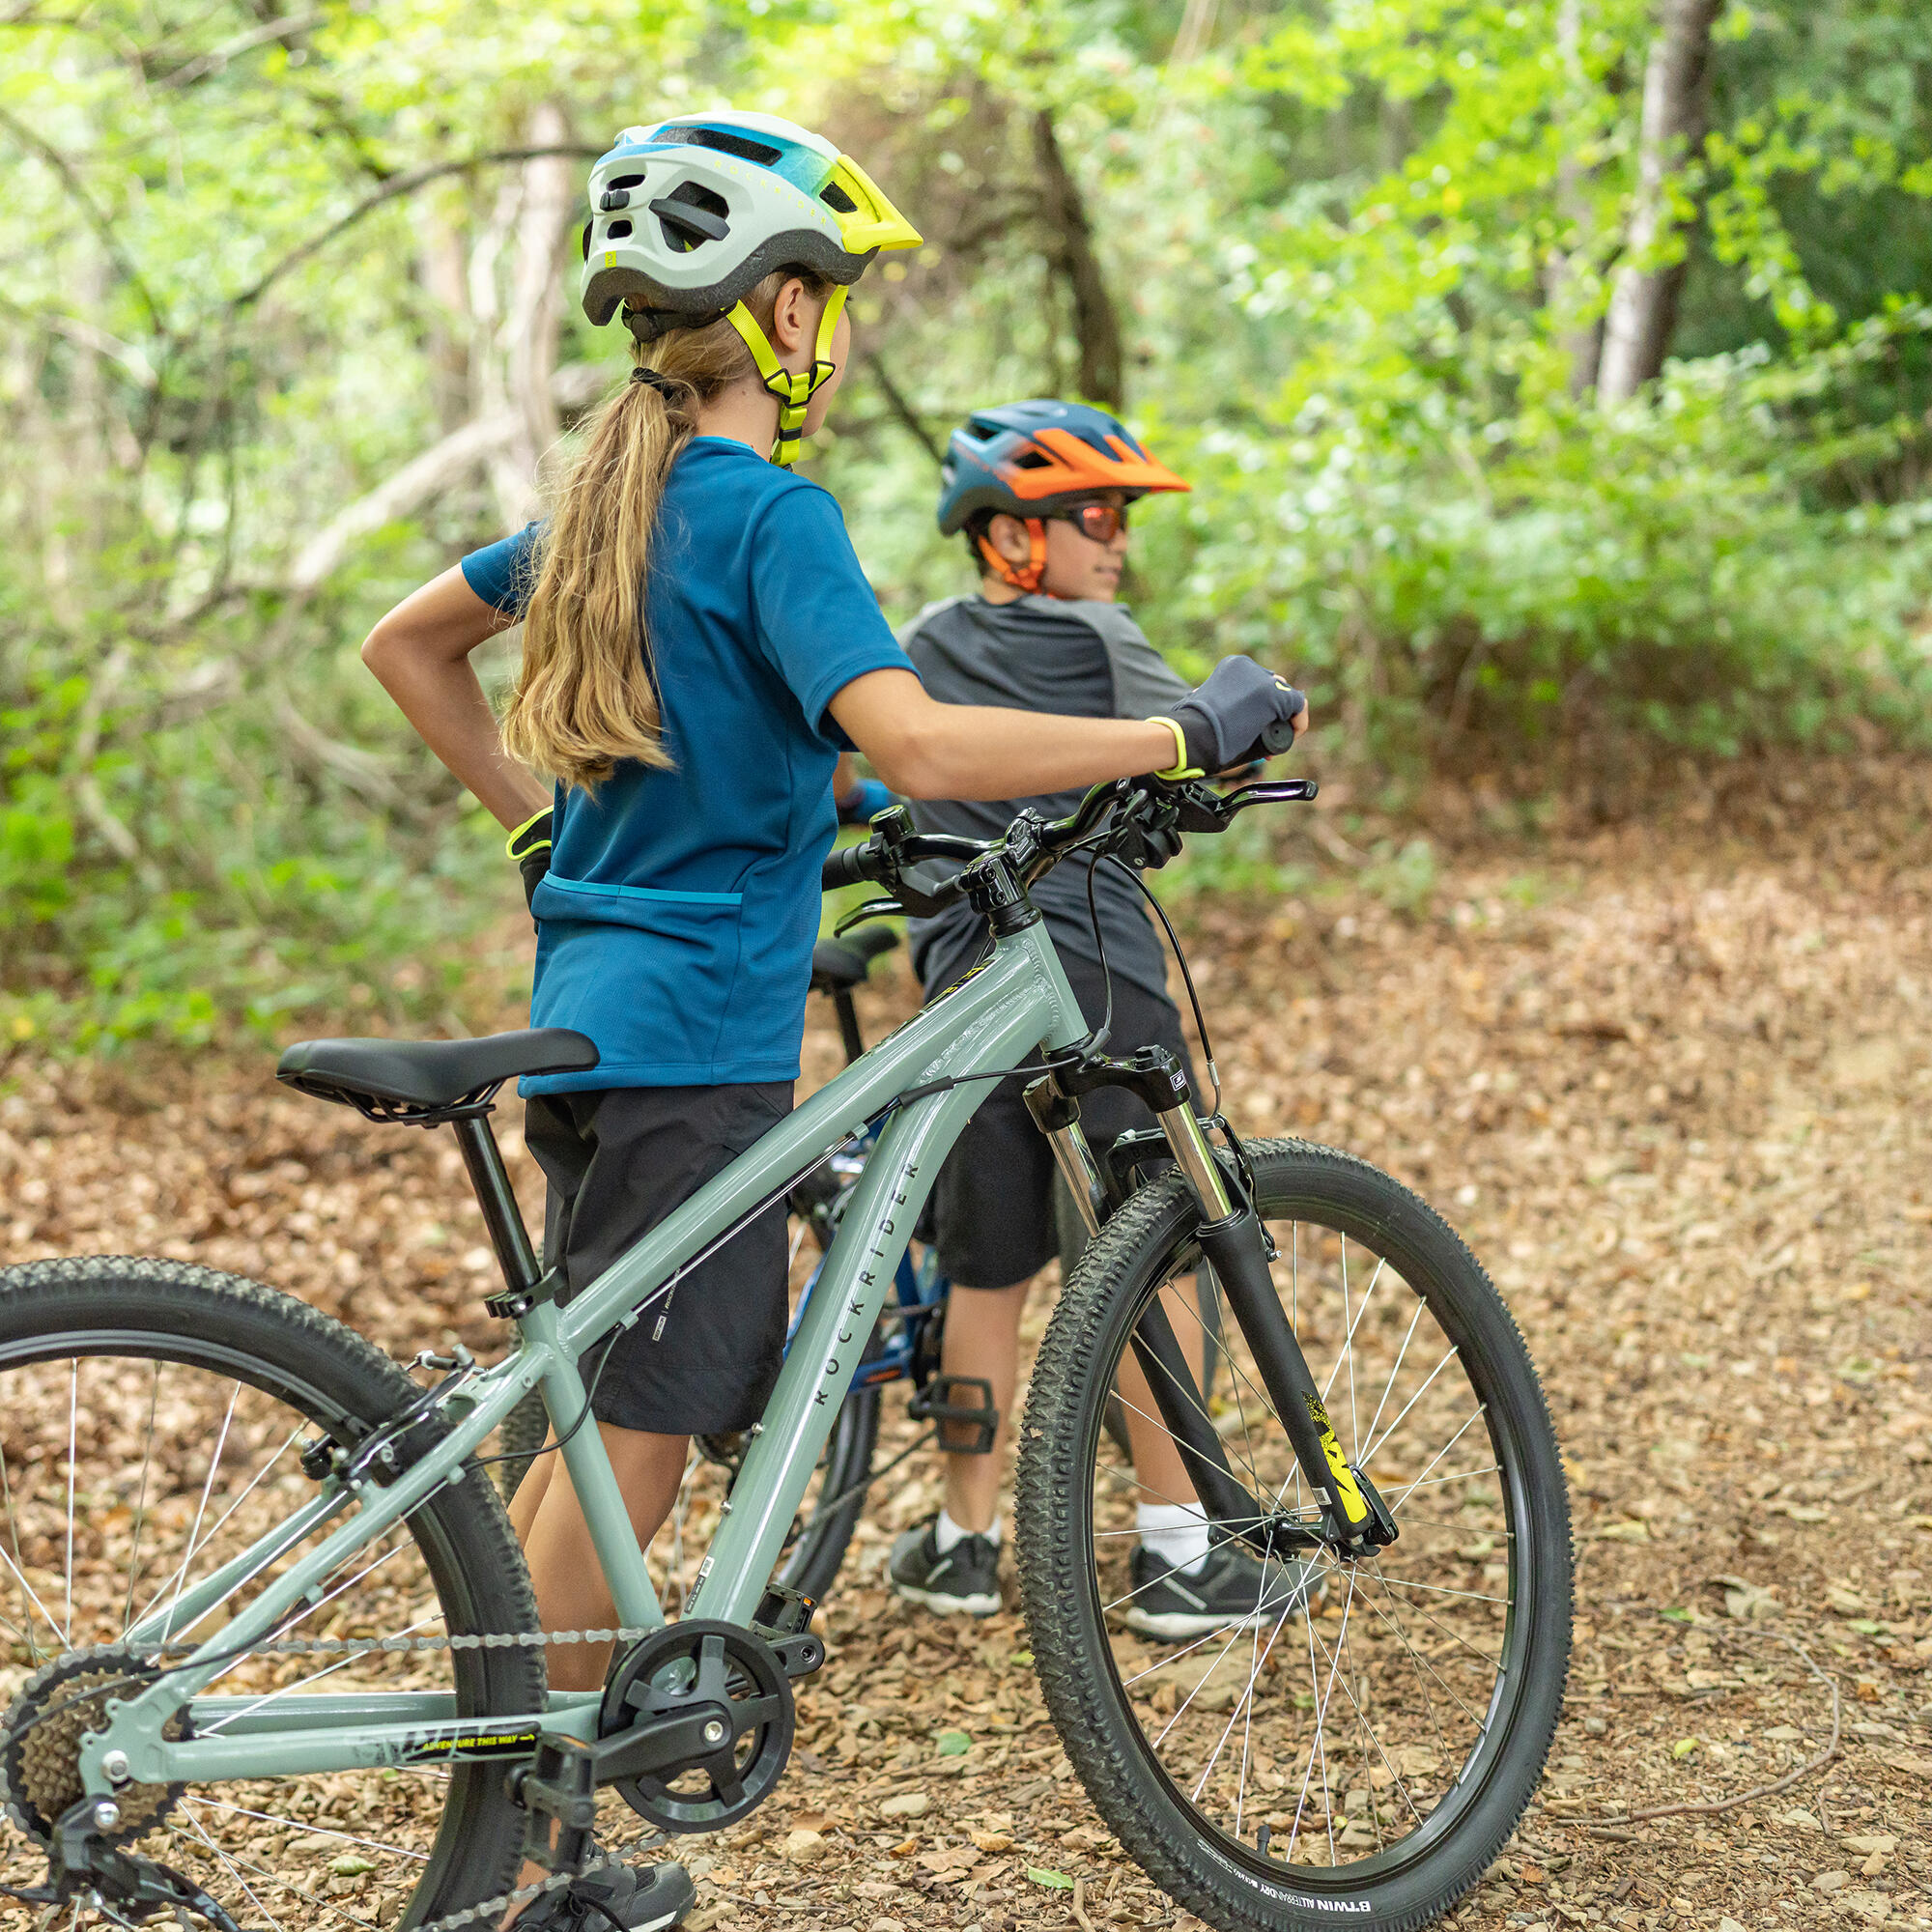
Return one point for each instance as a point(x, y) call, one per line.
point(1355, 255)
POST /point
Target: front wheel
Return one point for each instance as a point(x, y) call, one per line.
point(1354, 1741)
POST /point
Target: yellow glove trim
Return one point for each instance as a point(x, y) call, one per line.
point(510, 843)
point(1180, 769)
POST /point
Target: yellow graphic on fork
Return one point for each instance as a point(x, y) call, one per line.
point(1346, 1491)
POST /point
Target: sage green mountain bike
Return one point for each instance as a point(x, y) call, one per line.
point(274, 1658)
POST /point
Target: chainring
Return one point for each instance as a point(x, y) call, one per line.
point(701, 1660)
point(40, 1765)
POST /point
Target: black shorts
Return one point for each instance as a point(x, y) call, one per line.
point(618, 1160)
point(993, 1207)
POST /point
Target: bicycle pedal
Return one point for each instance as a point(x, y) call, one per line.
point(934, 1403)
point(783, 1611)
point(783, 1619)
point(558, 1789)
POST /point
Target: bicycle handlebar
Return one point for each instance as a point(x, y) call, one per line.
point(1188, 806)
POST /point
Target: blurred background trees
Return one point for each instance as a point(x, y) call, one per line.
point(1555, 380)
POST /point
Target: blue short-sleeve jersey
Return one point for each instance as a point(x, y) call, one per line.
point(676, 924)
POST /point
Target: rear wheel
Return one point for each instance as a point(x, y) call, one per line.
point(152, 1423)
point(1363, 1742)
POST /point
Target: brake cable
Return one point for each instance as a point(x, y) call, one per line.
point(1186, 976)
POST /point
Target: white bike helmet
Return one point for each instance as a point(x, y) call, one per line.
point(689, 215)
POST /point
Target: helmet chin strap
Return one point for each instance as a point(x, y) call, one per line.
point(794, 392)
point(1024, 577)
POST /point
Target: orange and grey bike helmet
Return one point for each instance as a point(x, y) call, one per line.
point(1034, 461)
point(688, 217)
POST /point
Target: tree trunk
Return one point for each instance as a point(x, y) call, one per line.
point(1644, 304)
point(537, 300)
point(1096, 327)
point(1581, 340)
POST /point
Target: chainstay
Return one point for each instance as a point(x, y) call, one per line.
point(487, 1910)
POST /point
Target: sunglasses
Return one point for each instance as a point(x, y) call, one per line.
point(1100, 523)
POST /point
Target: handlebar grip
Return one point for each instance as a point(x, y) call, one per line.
point(1280, 736)
point(845, 867)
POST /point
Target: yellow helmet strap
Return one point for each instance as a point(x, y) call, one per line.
point(793, 391)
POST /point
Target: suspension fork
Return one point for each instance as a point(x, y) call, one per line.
point(1235, 1243)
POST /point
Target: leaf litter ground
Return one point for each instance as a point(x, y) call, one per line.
point(1671, 1081)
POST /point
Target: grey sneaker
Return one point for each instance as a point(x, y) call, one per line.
point(964, 1583)
point(1230, 1590)
point(615, 1898)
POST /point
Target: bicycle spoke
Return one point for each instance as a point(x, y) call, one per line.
point(201, 1510)
point(1348, 1350)
point(72, 1455)
point(141, 1503)
point(1418, 1663)
point(16, 1566)
point(1338, 1745)
point(254, 1899)
point(1394, 1368)
point(1439, 1455)
point(313, 1831)
point(1368, 1457)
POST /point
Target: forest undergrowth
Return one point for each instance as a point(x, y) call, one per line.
point(1670, 1079)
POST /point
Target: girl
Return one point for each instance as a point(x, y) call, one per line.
point(700, 645)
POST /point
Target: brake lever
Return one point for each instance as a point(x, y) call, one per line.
point(872, 909)
point(1271, 791)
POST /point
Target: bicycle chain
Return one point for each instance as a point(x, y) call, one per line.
point(489, 1909)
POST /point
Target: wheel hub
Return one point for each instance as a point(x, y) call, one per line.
point(41, 1766)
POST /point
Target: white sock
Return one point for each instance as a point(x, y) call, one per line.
point(1176, 1532)
point(946, 1533)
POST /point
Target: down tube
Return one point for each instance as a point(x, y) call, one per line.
point(825, 1352)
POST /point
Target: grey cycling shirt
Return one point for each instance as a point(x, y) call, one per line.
point(1039, 654)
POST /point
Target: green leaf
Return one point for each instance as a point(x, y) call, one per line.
point(953, 1743)
point(1864, 1627)
point(1684, 1746)
point(1675, 1615)
point(1054, 1881)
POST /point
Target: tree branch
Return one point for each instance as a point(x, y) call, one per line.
point(217, 58)
point(417, 482)
point(102, 228)
point(902, 410)
point(1096, 328)
point(391, 190)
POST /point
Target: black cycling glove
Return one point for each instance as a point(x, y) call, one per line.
point(529, 846)
point(1243, 712)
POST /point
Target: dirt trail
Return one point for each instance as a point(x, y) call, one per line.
point(1673, 1085)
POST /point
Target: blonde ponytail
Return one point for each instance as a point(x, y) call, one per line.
point(585, 696)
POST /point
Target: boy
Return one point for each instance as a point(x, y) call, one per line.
point(1040, 490)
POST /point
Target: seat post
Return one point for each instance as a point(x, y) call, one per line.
point(501, 1215)
point(848, 1025)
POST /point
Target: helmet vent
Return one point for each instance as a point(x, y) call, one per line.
point(744, 147)
point(616, 231)
point(1032, 459)
point(691, 215)
point(835, 197)
point(626, 181)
